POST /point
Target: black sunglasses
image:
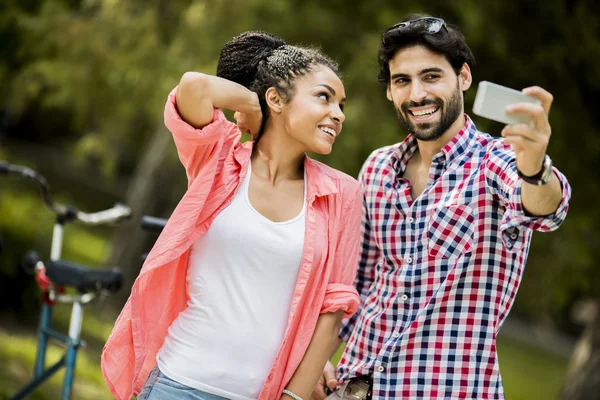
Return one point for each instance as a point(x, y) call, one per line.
point(432, 25)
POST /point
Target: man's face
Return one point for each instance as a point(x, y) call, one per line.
point(426, 92)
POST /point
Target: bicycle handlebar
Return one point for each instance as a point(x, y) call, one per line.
point(114, 214)
point(153, 224)
point(25, 172)
point(117, 213)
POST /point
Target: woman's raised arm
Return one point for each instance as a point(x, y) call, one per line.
point(199, 94)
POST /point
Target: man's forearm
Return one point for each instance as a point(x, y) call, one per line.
point(541, 200)
point(322, 344)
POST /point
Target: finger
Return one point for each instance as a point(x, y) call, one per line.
point(319, 393)
point(236, 116)
point(518, 143)
point(524, 137)
point(520, 130)
point(243, 128)
point(540, 93)
point(534, 111)
point(329, 374)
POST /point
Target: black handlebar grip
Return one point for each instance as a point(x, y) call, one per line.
point(4, 167)
point(30, 261)
point(153, 224)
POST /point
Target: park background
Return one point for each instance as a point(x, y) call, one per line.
point(82, 89)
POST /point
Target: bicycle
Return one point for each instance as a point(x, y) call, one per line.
point(152, 224)
point(55, 275)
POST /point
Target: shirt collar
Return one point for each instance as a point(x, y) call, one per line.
point(319, 182)
point(449, 153)
point(460, 143)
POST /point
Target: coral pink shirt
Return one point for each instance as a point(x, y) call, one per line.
point(216, 163)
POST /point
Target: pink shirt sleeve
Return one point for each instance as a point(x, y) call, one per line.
point(341, 294)
point(118, 358)
point(196, 146)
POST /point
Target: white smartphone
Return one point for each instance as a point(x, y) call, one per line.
point(491, 101)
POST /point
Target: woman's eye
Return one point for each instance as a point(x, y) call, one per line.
point(324, 96)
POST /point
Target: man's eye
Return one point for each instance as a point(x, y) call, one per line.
point(432, 77)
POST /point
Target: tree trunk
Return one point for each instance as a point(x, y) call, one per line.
point(144, 196)
point(583, 380)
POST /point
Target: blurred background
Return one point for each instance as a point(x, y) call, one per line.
point(83, 85)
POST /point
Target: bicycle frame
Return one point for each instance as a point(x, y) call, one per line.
point(53, 293)
point(71, 341)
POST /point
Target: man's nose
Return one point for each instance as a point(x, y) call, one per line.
point(417, 92)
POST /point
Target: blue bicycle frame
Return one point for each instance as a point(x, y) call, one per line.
point(100, 282)
point(71, 341)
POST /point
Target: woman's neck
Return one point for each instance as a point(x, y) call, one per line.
point(275, 157)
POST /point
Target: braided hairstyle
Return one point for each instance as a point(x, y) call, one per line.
point(260, 60)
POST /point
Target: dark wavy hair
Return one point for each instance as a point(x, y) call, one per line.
point(449, 42)
point(260, 60)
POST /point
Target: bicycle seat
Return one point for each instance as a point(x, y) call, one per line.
point(84, 279)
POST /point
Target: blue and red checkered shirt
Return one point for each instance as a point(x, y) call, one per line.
point(438, 274)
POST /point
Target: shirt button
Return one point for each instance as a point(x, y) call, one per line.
point(410, 220)
point(380, 368)
point(409, 260)
point(509, 245)
point(404, 297)
point(396, 334)
point(513, 236)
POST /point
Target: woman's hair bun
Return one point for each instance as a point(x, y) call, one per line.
point(240, 56)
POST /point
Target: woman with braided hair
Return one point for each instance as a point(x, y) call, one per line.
point(243, 293)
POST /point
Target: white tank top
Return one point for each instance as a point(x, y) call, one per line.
point(241, 278)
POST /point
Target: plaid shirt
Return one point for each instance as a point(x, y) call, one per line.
point(438, 274)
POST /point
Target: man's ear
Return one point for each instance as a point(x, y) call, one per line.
point(274, 100)
point(464, 77)
point(389, 93)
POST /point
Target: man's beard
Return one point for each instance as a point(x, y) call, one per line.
point(430, 131)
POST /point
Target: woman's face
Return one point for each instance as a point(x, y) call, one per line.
point(314, 115)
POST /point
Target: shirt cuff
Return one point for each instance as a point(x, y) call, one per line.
point(186, 132)
point(515, 219)
point(340, 297)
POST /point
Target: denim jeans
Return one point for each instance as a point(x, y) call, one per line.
point(160, 387)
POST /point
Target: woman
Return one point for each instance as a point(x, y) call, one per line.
point(243, 293)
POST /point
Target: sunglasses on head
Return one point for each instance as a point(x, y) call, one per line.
point(430, 24)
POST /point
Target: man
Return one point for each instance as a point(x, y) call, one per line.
point(447, 221)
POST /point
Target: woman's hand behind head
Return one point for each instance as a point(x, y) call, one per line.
point(249, 122)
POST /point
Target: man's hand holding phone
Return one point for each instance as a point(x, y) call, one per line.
point(526, 115)
point(530, 141)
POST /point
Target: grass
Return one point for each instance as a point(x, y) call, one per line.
point(17, 355)
point(528, 373)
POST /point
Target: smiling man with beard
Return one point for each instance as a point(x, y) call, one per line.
point(447, 220)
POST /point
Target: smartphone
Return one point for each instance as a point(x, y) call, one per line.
point(491, 101)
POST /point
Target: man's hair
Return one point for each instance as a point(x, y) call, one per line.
point(448, 42)
point(260, 60)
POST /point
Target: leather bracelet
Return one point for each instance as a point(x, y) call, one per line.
point(292, 394)
point(542, 177)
